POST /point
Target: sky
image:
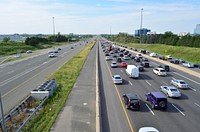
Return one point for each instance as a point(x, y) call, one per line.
point(98, 16)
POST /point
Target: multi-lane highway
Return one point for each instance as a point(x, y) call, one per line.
point(18, 78)
point(182, 114)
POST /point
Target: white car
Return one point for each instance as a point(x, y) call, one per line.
point(108, 58)
point(29, 51)
point(51, 55)
point(159, 71)
point(139, 55)
point(169, 57)
point(114, 64)
point(148, 129)
point(170, 91)
point(179, 83)
point(153, 54)
point(117, 79)
point(125, 57)
point(189, 65)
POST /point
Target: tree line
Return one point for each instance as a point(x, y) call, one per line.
point(167, 38)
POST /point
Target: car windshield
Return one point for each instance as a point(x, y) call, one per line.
point(162, 70)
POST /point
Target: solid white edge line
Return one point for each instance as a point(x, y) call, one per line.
point(148, 82)
point(186, 78)
point(197, 105)
point(150, 109)
point(130, 83)
point(178, 110)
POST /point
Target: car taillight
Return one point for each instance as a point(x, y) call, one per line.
point(129, 102)
point(138, 102)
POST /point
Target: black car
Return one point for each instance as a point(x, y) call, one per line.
point(145, 64)
point(175, 61)
point(119, 59)
point(137, 59)
point(144, 59)
point(141, 68)
point(131, 101)
point(166, 67)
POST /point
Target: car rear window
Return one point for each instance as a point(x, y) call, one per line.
point(174, 90)
point(182, 83)
point(117, 77)
point(134, 101)
point(162, 70)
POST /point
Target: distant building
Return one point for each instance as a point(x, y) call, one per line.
point(197, 30)
point(142, 31)
point(183, 34)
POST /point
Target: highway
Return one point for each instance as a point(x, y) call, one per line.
point(18, 78)
point(182, 115)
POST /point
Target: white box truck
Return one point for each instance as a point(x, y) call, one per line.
point(132, 71)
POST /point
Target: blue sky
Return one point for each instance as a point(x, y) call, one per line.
point(97, 16)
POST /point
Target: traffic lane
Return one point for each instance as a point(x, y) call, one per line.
point(24, 68)
point(171, 105)
point(112, 115)
point(19, 66)
point(20, 88)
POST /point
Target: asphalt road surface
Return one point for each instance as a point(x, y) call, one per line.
point(182, 115)
point(18, 78)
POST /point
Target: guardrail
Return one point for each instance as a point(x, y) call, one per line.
point(41, 93)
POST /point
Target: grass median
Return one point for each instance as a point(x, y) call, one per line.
point(65, 77)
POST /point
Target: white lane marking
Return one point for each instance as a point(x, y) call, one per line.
point(121, 70)
point(173, 78)
point(150, 109)
point(186, 78)
point(192, 88)
point(178, 110)
point(130, 83)
point(45, 62)
point(10, 72)
point(155, 63)
point(197, 105)
point(148, 82)
point(164, 83)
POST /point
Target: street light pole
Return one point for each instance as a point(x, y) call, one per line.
point(53, 27)
point(141, 27)
point(2, 115)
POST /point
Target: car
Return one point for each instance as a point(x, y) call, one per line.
point(50, 51)
point(29, 51)
point(107, 54)
point(108, 58)
point(153, 54)
point(166, 67)
point(181, 60)
point(126, 52)
point(143, 51)
point(119, 59)
point(141, 68)
point(129, 55)
point(139, 55)
point(52, 55)
point(179, 83)
point(175, 61)
point(72, 47)
point(163, 57)
point(169, 57)
point(131, 101)
point(126, 57)
point(157, 99)
point(148, 129)
point(137, 59)
point(188, 64)
point(170, 91)
point(121, 55)
point(117, 79)
point(114, 56)
point(123, 64)
point(144, 59)
point(59, 49)
point(145, 64)
point(55, 51)
point(197, 65)
point(114, 64)
point(159, 71)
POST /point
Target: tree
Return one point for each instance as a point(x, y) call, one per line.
point(6, 39)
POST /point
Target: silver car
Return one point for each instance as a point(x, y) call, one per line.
point(114, 64)
point(117, 79)
point(179, 83)
point(170, 91)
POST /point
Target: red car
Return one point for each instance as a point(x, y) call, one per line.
point(123, 64)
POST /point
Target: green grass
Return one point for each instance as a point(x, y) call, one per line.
point(187, 53)
point(65, 77)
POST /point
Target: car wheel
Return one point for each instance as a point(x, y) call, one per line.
point(146, 99)
point(127, 107)
point(167, 95)
point(162, 104)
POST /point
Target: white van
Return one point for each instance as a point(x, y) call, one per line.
point(132, 71)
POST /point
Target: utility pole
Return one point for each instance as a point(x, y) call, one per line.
point(141, 27)
point(110, 33)
point(53, 27)
point(2, 115)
